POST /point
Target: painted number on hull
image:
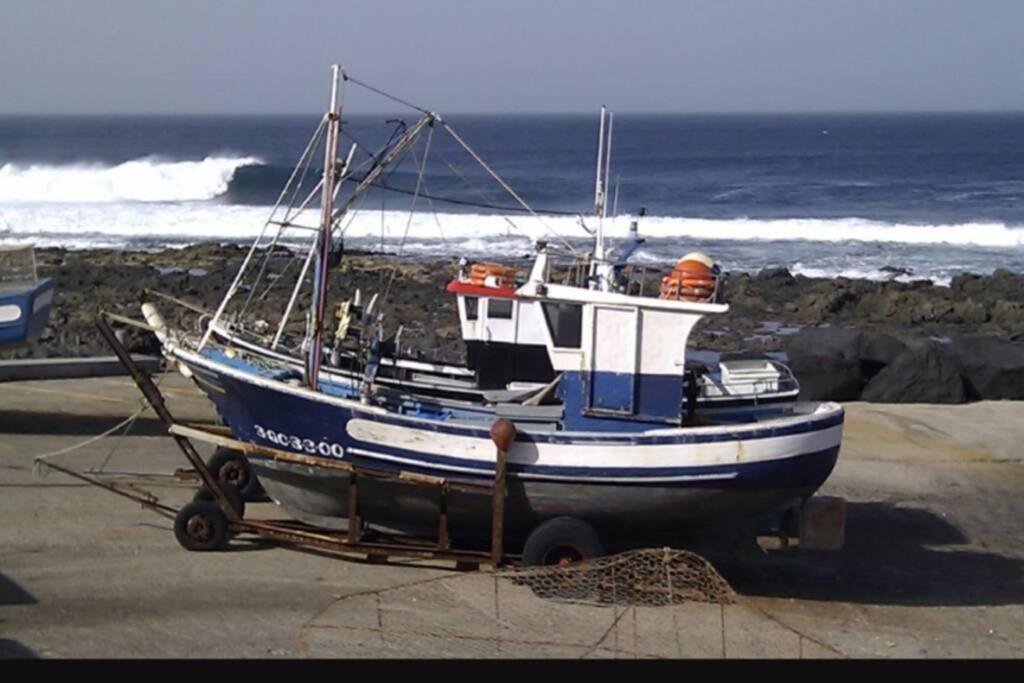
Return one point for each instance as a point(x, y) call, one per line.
point(323, 448)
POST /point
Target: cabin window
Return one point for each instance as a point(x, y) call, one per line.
point(565, 323)
point(499, 308)
point(471, 307)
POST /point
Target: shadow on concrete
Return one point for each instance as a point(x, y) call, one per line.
point(13, 594)
point(893, 556)
point(63, 424)
point(12, 649)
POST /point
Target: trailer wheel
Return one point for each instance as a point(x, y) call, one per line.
point(232, 467)
point(230, 492)
point(562, 540)
point(201, 526)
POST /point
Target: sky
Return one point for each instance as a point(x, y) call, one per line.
point(512, 56)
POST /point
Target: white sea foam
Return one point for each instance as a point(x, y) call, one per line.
point(149, 179)
point(868, 273)
point(198, 220)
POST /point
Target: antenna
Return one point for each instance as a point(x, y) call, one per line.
point(607, 166)
point(598, 189)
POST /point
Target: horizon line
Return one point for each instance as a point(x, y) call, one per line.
point(752, 112)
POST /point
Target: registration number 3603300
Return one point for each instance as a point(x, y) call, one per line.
point(296, 443)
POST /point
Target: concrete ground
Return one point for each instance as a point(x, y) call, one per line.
point(932, 565)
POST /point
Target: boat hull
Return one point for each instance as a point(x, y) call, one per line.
point(660, 481)
point(321, 497)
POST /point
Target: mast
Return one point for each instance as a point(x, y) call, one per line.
point(599, 189)
point(315, 331)
point(600, 270)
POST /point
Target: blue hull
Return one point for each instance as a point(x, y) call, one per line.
point(24, 312)
point(615, 499)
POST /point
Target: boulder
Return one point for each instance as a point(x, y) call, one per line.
point(992, 368)
point(1007, 313)
point(827, 378)
point(778, 276)
point(926, 372)
point(859, 354)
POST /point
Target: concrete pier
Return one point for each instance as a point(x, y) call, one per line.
point(932, 565)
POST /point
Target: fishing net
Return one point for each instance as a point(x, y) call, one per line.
point(651, 577)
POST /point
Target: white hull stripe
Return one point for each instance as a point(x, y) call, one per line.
point(654, 457)
point(545, 477)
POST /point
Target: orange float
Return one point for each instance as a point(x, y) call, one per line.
point(503, 276)
point(692, 279)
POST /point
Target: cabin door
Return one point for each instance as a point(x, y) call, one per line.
point(613, 360)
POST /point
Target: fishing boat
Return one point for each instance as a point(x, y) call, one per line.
point(507, 358)
point(25, 298)
point(614, 444)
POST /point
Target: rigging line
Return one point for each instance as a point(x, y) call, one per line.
point(384, 94)
point(265, 261)
point(252, 250)
point(505, 185)
point(465, 202)
point(473, 188)
point(433, 212)
point(302, 207)
point(286, 223)
point(300, 280)
point(396, 151)
point(412, 209)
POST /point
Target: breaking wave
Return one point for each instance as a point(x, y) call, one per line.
point(149, 179)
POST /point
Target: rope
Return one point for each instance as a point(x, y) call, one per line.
point(505, 185)
point(252, 250)
point(465, 202)
point(412, 209)
point(273, 243)
point(125, 423)
point(40, 459)
point(384, 94)
point(471, 186)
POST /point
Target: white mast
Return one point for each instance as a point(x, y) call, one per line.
point(600, 269)
point(599, 190)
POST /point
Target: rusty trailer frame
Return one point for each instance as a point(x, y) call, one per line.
point(293, 532)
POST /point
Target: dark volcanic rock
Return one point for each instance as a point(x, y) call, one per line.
point(827, 378)
point(992, 368)
point(779, 276)
point(835, 363)
point(926, 372)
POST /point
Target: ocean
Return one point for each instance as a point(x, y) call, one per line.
point(906, 196)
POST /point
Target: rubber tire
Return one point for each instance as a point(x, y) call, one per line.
point(232, 494)
point(250, 488)
point(558, 532)
point(217, 535)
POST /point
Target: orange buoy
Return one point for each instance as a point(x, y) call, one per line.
point(502, 276)
point(692, 279)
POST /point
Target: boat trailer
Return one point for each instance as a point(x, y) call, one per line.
point(218, 511)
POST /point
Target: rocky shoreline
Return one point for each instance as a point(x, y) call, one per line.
point(846, 339)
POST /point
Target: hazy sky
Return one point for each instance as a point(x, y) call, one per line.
point(236, 56)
